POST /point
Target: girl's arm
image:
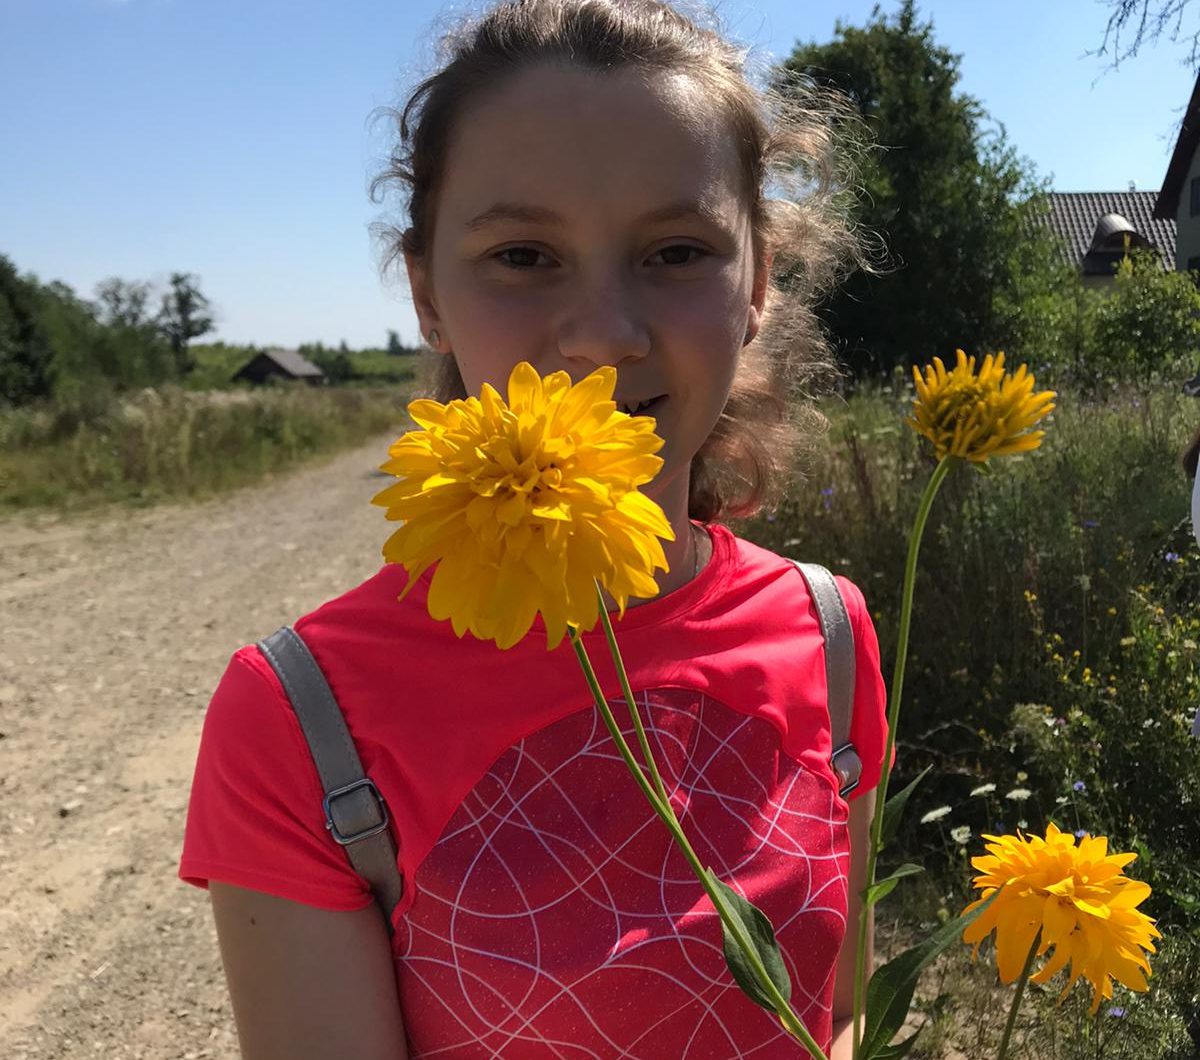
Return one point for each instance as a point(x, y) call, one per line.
point(861, 812)
point(307, 983)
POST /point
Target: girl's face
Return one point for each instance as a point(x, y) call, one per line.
point(588, 219)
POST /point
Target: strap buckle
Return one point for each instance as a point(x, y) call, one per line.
point(849, 771)
point(340, 837)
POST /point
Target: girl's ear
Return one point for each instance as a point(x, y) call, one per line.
point(758, 298)
point(422, 296)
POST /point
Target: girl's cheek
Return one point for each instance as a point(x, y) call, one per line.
point(712, 313)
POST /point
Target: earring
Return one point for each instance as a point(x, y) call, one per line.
point(434, 337)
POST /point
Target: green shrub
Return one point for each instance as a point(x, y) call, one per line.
point(1148, 328)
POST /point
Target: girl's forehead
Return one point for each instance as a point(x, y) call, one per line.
point(573, 139)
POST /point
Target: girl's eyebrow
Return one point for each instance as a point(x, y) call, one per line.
point(521, 212)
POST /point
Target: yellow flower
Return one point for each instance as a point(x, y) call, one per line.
point(522, 505)
point(1079, 900)
point(978, 416)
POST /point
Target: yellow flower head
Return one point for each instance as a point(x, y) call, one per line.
point(1079, 900)
point(523, 505)
point(978, 416)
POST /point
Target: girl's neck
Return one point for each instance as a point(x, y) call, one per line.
point(686, 556)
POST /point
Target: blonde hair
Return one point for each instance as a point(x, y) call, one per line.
point(792, 133)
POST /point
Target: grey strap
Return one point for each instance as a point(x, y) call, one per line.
point(839, 670)
point(355, 812)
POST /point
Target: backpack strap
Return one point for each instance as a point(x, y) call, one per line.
point(839, 670)
point(355, 812)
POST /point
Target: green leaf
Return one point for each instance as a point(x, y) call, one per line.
point(901, 1048)
point(880, 889)
point(894, 809)
point(762, 937)
point(890, 990)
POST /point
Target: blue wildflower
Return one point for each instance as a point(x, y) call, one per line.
point(1080, 833)
point(1115, 1011)
point(1079, 785)
point(1090, 524)
point(1171, 557)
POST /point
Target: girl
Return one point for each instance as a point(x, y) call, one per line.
point(587, 186)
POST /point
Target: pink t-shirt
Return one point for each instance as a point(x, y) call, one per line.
point(547, 912)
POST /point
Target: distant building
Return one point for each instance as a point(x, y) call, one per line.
point(1093, 227)
point(1179, 199)
point(279, 364)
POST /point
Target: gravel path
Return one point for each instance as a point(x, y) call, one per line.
point(114, 630)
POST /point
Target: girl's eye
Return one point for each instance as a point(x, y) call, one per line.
point(529, 254)
point(526, 257)
point(684, 247)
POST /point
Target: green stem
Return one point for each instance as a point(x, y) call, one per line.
point(787, 1016)
point(910, 576)
point(637, 720)
point(1012, 1012)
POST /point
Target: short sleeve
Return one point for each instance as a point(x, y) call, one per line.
point(868, 727)
point(254, 816)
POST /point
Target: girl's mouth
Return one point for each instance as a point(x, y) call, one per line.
point(642, 408)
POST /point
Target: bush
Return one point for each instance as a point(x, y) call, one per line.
point(1148, 329)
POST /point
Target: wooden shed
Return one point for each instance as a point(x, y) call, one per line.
point(279, 364)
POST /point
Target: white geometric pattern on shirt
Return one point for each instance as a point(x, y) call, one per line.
point(555, 901)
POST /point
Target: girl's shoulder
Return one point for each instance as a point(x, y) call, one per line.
point(772, 581)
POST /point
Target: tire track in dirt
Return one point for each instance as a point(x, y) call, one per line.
point(114, 630)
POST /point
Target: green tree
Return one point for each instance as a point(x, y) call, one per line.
point(185, 315)
point(950, 197)
point(129, 348)
point(395, 347)
point(26, 357)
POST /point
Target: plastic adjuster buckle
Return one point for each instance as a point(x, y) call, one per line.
point(850, 773)
point(340, 837)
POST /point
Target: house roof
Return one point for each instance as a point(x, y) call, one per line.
point(1181, 158)
point(1074, 216)
point(293, 362)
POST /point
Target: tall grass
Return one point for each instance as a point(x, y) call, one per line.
point(1079, 525)
point(171, 443)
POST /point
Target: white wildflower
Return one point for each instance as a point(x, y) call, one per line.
point(935, 815)
point(961, 834)
point(1019, 794)
point(984, 789)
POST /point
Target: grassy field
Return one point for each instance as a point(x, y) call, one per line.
point(171, 443)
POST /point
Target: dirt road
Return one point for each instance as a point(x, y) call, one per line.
point(114, 630)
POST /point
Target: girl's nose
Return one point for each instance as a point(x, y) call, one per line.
point(602, 326)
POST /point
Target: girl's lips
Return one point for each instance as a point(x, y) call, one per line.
point(648, 408)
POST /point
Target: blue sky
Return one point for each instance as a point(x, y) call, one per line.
point(230, 138)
